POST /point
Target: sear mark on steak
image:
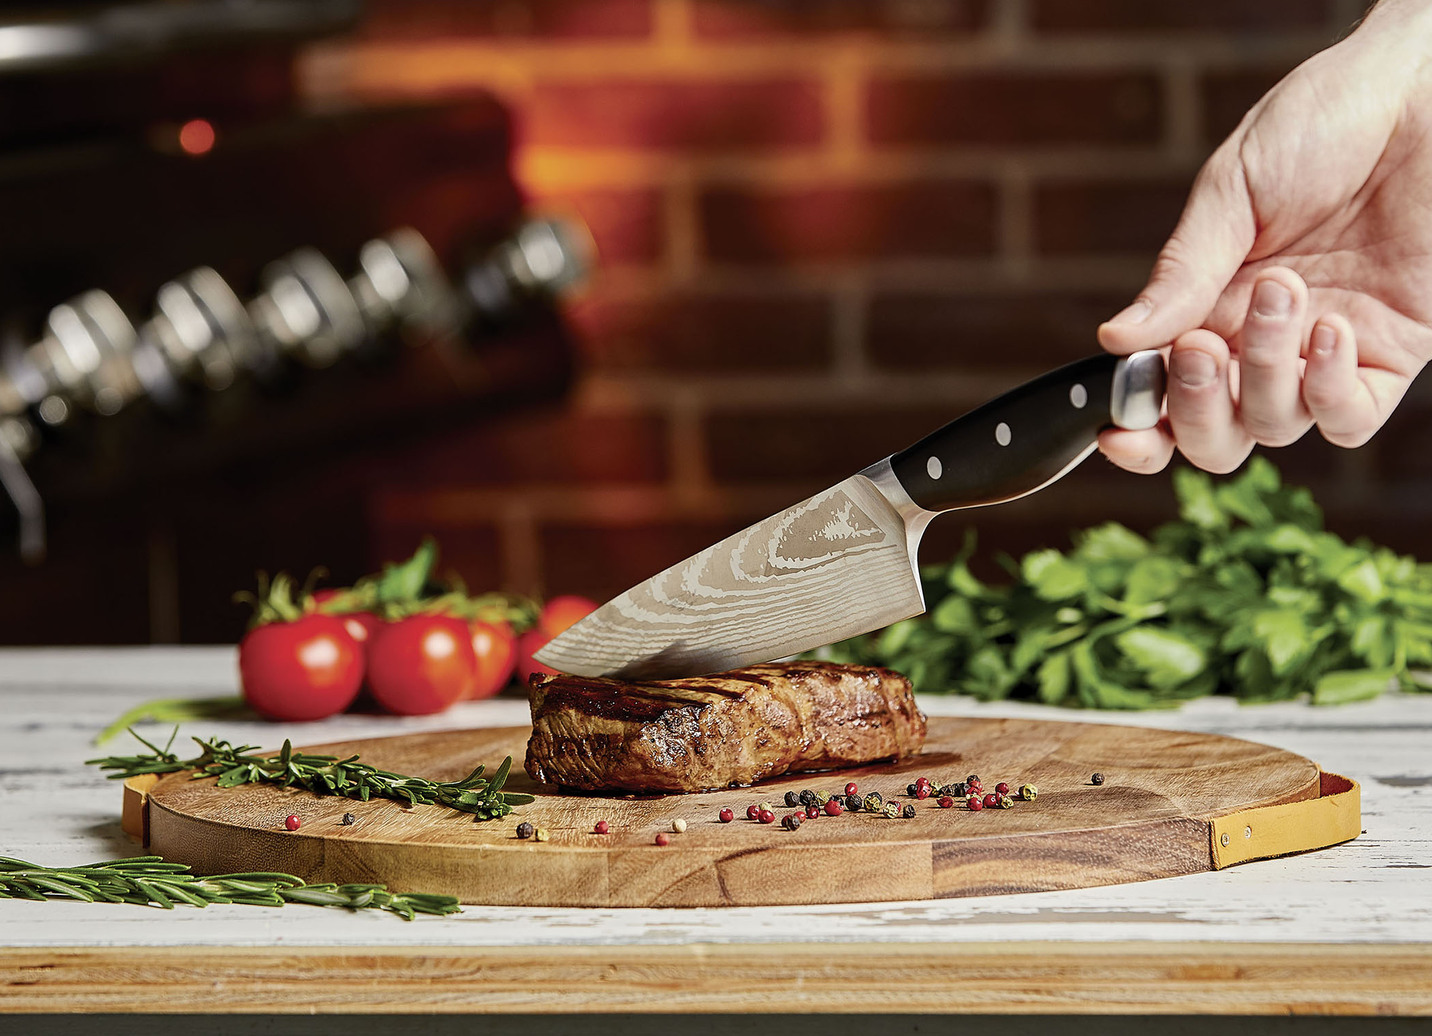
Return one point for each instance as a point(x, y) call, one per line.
point(717, 731)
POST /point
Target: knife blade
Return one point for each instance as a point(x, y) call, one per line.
point(846, 560)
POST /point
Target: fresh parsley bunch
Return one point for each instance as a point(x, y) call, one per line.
point(1244, 594)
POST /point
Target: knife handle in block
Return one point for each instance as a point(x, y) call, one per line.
point(1031, 435)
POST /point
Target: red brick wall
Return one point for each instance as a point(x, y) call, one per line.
point(826, 227)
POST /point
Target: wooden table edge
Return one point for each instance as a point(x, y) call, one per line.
point(721, 978)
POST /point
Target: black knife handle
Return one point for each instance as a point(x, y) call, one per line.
point(1026, 438)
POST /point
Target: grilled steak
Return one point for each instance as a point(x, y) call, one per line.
point(718, 731)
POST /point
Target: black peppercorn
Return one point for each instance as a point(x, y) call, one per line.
point(854, 803)
point(908, 811)
point(910, 790)
point(792, 799)
point(349, 818)
point(945, 789)
point(1097, 778)
point(960, 790)
point(973, 778)
point(791, 822)
point(525, 830)
point(807, 798)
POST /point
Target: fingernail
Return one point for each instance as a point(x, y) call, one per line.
point(1271, 299)
point(1193, 369)
point(1325, 340)
point(1135, 313)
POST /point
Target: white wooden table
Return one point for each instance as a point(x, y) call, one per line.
point(1342, 930)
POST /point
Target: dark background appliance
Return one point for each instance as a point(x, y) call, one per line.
point(223, 313)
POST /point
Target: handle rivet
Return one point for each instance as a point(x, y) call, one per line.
point(1002, 434)
point(1079, 396)
point(934, 468)
point(1248, 832)
point(1223, 840)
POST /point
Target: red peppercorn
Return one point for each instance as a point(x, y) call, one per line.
point(292, 822)
point(991, 800)
point(833, 808)
point(661, 839)
point(1002, 788)
point(601, 827)
point(727, 815)
point(922, 791)
point(812, 811)
point(946, 802)
point(753, 812)
point(851, 789)
point(974, 803)
point(766, 817)
point(922, 782)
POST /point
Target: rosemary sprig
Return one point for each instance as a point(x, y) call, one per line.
point(150, 881)
point(323, 775)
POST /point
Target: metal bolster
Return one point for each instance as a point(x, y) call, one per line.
point(1137, 398)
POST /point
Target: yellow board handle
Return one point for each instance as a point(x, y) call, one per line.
point(1290, 827)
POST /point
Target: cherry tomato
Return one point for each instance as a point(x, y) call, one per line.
point(301, 670)
point(527, 645)
point(495, 646)
point(360, 625)
point(561, 612)
point(421, 664)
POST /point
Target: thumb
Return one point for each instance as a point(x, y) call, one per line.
point(1210, 243)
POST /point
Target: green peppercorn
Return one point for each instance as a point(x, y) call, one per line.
point(541, 834)
point(524, 830)
point(1004, 802)
point(874, 800)
point(679, 825)
point(792, 799)
point(891, 810)
point(764, 805)
point(821, 798)
point(1027, 792)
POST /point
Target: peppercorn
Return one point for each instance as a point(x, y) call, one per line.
point(792, 799)
point(524, 830)
point(763, 805)
point(908, 811)
point(910, 790)
point(832, 808)
point(945, 802)
point(922, 792)
point(973, 778)
point(600, 827)
point(945, 789)
point(541, 834)
point(874, 800)
point(1004, 802)
point(791, 821)
point(766, 817)
point(1097, 778)
point(679, 825)
point(806, 797)
point(821, 798)
point(812, 811)
point(991, 801)
point(854, 803)
point(661, 839)
point(726, 815)
point(851, 789)
point(1027, 792)
point(753, 812)
point(292, 822)
point(959, 789)
point(1002, 788)
point(348, 819)
point(891, 809)
point(974, 803)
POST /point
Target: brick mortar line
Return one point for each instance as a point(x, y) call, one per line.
point(1015, 224)
point(933, 276)
point(849, 301)
point(578, 169)
point(1183, 113)
point(781, 58)
point(682, 225)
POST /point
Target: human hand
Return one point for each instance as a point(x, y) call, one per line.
point(1297, 287)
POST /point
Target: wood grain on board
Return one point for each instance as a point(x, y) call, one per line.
point(1150, 819)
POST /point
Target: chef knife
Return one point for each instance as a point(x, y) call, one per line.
point(845, 561)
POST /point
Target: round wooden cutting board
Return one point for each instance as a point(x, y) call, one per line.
point(1152, 818)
